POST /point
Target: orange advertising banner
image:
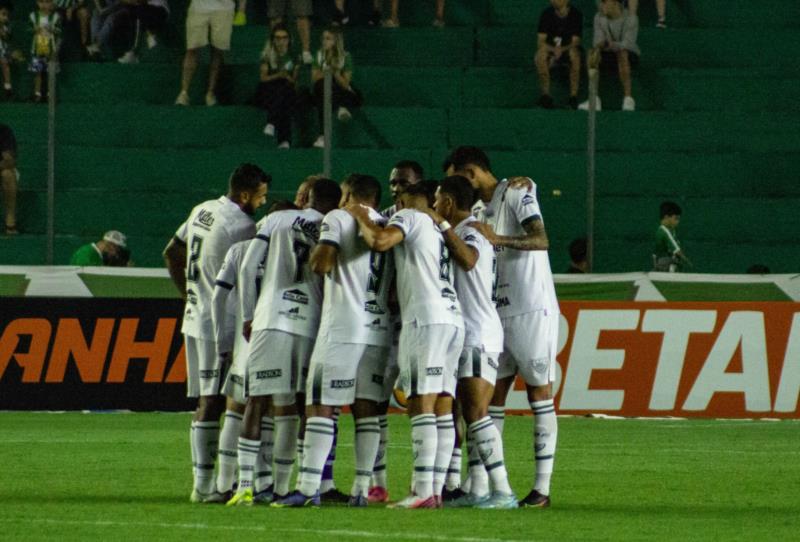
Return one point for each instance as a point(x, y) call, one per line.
point(726, 360)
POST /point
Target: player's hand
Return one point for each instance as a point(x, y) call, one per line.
point(485, 230)
point(520, 183)
point(436, 217)
point(358, 211)
point(247, 330)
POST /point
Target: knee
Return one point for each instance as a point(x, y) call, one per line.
point(540, 393)
point(541, 58)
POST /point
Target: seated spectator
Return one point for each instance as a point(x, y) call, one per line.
point(559, 42)
point(403, 174)
point(340, 15)
point(301, 10)
point(615, 34)
point(276, 91)
point(71, 10)
point(111, 250)
point(661, 8)
point(9, 177)
point(46, 26)
point(394, 20)
point(668, 255)
point(343, 94)
point(206, 21)
point(578, 263)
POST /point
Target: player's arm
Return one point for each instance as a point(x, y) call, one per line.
point(377, 238)
point(535, 237)
point(465, 255)
point(323, 257)
point(223, 285)
point(247, 279)
point(175, 258)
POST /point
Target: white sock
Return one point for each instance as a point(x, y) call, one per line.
point(284, 450)
point(327, 482)
point(318, 440)
point(194, 453)
point(206, 439)
point(545, 435)
point(263, 473)
point(453, 480)
point(498, 415)
point(445, 441)
point(300, 452)
point(379, 472)
point(490, 448)
point(424, 442)
point(227, 454)
point(247, 454)
point(368, 436)
point(478, 479)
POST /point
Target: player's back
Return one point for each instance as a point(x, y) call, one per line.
point(291, 294)
point(355, 307)
point(424, 272)
point(212, 227)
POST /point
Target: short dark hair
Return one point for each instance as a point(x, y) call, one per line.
point(424, 188)
point(248, 177)
point(326, 194)
point(669, 208)
point(465, 156)
point(460, 189)
point(577, 250)
point(412, 165)
point(281, 205)
point(364, 187)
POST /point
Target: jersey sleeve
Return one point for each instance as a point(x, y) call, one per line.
point(524, 203)
point(330, 231)
point(403, 220)
point(248, 274)
point(473, 239)
point(183, 232)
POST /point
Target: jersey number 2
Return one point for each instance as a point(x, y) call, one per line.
point(301, 253)
point(192, 268)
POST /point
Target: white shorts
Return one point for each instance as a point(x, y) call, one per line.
point(475, 363)
point(531, 345)
point(235, 385)
point(217, 24)
point(428, 358)
point(340, 373)
point(204, 373)
point(278, 364)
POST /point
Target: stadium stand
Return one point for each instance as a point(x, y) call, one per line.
point(716, 130)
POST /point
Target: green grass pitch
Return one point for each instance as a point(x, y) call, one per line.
point(126, 477)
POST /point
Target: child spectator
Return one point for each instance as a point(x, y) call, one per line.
point(111, 250)
point(559, 42)
point(343, 95)
point(70, 10)
point(615, 34)
point(668, 255)
point(46, 27)
point(276, 91)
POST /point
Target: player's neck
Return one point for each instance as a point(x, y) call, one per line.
point(459, 216)
point(487, 190)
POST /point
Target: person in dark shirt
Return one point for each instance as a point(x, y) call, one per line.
point(559, 42)
point(9, 176)
point(578, 263)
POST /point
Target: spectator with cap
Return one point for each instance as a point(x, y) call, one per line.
point(111, 250)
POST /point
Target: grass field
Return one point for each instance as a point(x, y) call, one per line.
point(126, 476)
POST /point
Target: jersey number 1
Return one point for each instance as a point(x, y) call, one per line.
point(444, 262)
point(377, 263)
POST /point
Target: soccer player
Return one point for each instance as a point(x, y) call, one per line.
point(403, 174)
point(212, 227)
point(483, 342)
point(431, 338)
point(281, 329)
point(526, 303)
point(349, 359)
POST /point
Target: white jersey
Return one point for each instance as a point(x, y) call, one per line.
point(424, 272)
point(291, 294)
point(212, 227)
point(475, 289)
point(355, 308)
point(524, 279)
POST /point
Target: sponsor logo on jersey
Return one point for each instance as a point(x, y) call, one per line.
point(503, 302)
point(296, 296)
point(293, 314)
point(205, 219)
point(377, 379)
point(191, 297)
point(373, 308)
point(447, 293)
point(270, 373)
point(540, 365)
point(527, 199)
point(343, 384)
point(309, 229)
point(376, 325)
point(236, 379)
point(209, 373)
point(434, 371)
point(492, 363)
point(324, 227)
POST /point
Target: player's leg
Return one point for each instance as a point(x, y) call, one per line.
point(221, 29)
point(542, 61)
point(263, 484)
point(248, 448)
point(228, 444)
point(445, 442)
point(574, 75)
point(452, 483)
point(379, 492)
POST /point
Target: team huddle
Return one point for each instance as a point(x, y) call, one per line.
point(327, 303)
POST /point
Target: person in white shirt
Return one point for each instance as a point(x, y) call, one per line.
point(208, 233)
point(431, 339)
point(281, 327)
point(526, 303)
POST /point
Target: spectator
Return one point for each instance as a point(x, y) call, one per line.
point(111, 250)
point(149, 16)
point(403, 174)
point(276, 91)
point(104, 24)
point(301, 9)
point(340, 15)
point(70, 10)
point(6, 55)
point(661, 8)
point(668, 255)
point(394, 21)
point(343, 95)
point(9, 177)
point(206, 18)
point(758, 269)
point(615, 34)
point(46, 27)
point(559, 43)
point(577, 256)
